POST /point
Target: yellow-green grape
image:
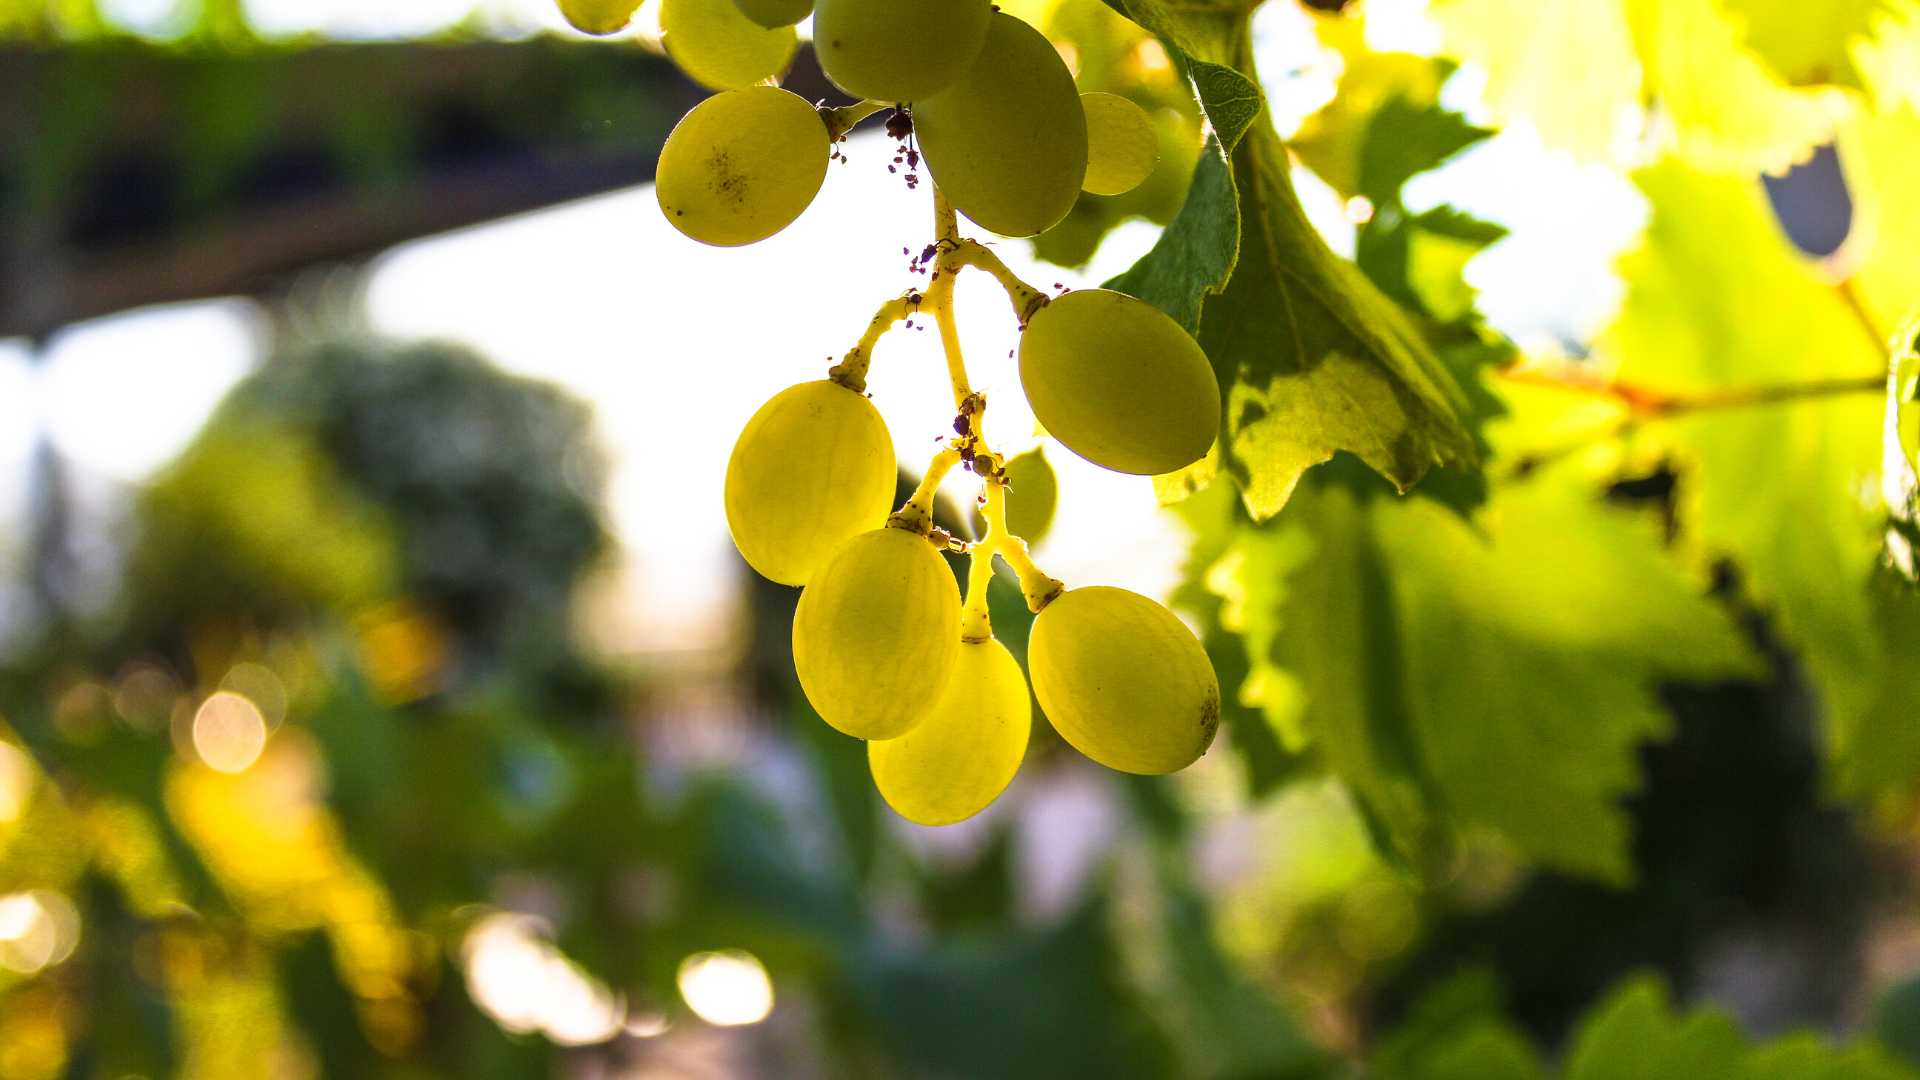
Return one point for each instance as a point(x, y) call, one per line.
point(876, 633)
point(1119, 383)
point(964, 754)
point(719, 47)
point(599, 16)
point(775, 13)
point(742, 165)
point(898, 50)
point(1032, 492)
point(812, 469)
point(1123, 680)
point(1122, 147)
point(1008, 142)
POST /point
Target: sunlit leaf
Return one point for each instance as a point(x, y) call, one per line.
point(1718, 101)
point(1716, 298)
point(1499, 673)
point(1528, 47)
point(1807, 42)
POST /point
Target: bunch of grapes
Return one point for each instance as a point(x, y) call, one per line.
point(885, 647)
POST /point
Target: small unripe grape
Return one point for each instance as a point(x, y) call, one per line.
point(721, 48)
point(599, 16)
point(876, 634)
point(1122, 147)
point(742, 165)
point(1123, 680)
point(1032, 492)
point(811, 470)
point(1007, 143)
point(964, 754)
point(1119, 383)
point(898, 50)
point(775, 13)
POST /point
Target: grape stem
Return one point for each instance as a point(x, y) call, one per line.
point(954, 253)
point(917, 515)
point(851, 371)
point(841, 119)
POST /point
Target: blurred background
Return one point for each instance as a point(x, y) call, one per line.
point(380, 695)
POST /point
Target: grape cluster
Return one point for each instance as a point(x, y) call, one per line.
point(885, 647)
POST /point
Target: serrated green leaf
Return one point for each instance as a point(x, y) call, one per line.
point(1313, 360)
point(1404, 139)
point(1528, 47)
point(1195, 255)
point(1729, 111)
point(1500, 676)
point(1721, 105)
point(1716, 299)
point(1457, 1032)
point(1331, 141)
point(1636, 1035)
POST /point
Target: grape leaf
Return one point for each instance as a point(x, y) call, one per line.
point(1332, 140)
point(1725, 106)
point(1404, 139)
point(1889, 61)
point(1313, 359)
point(1635, 1035)
point(1729, 111)
point(1527, 47)
point(1457, 1032)
point(1881, 154)
point(1807, 42)
point(1715, 298)
point(1398, 633)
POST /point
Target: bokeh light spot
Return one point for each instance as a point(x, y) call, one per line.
point(38, 929)
point(526, 984)
point(726, 988)
point(229, 732)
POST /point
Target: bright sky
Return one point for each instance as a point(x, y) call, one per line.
point(676, 343)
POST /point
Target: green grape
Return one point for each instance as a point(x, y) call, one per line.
point(742, 165)
point(1119, 383)
point(877, 632)
point(965, 752)
point(775, 13)
point(721, 48)
point(812, 469)
point(1123, 680)
point(599, 16)
point(1008, 142)
point(1032, 492)
point(898, 50)
point(1122, 146)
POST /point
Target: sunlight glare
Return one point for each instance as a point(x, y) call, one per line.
point(726, 988)
point(527, 985)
